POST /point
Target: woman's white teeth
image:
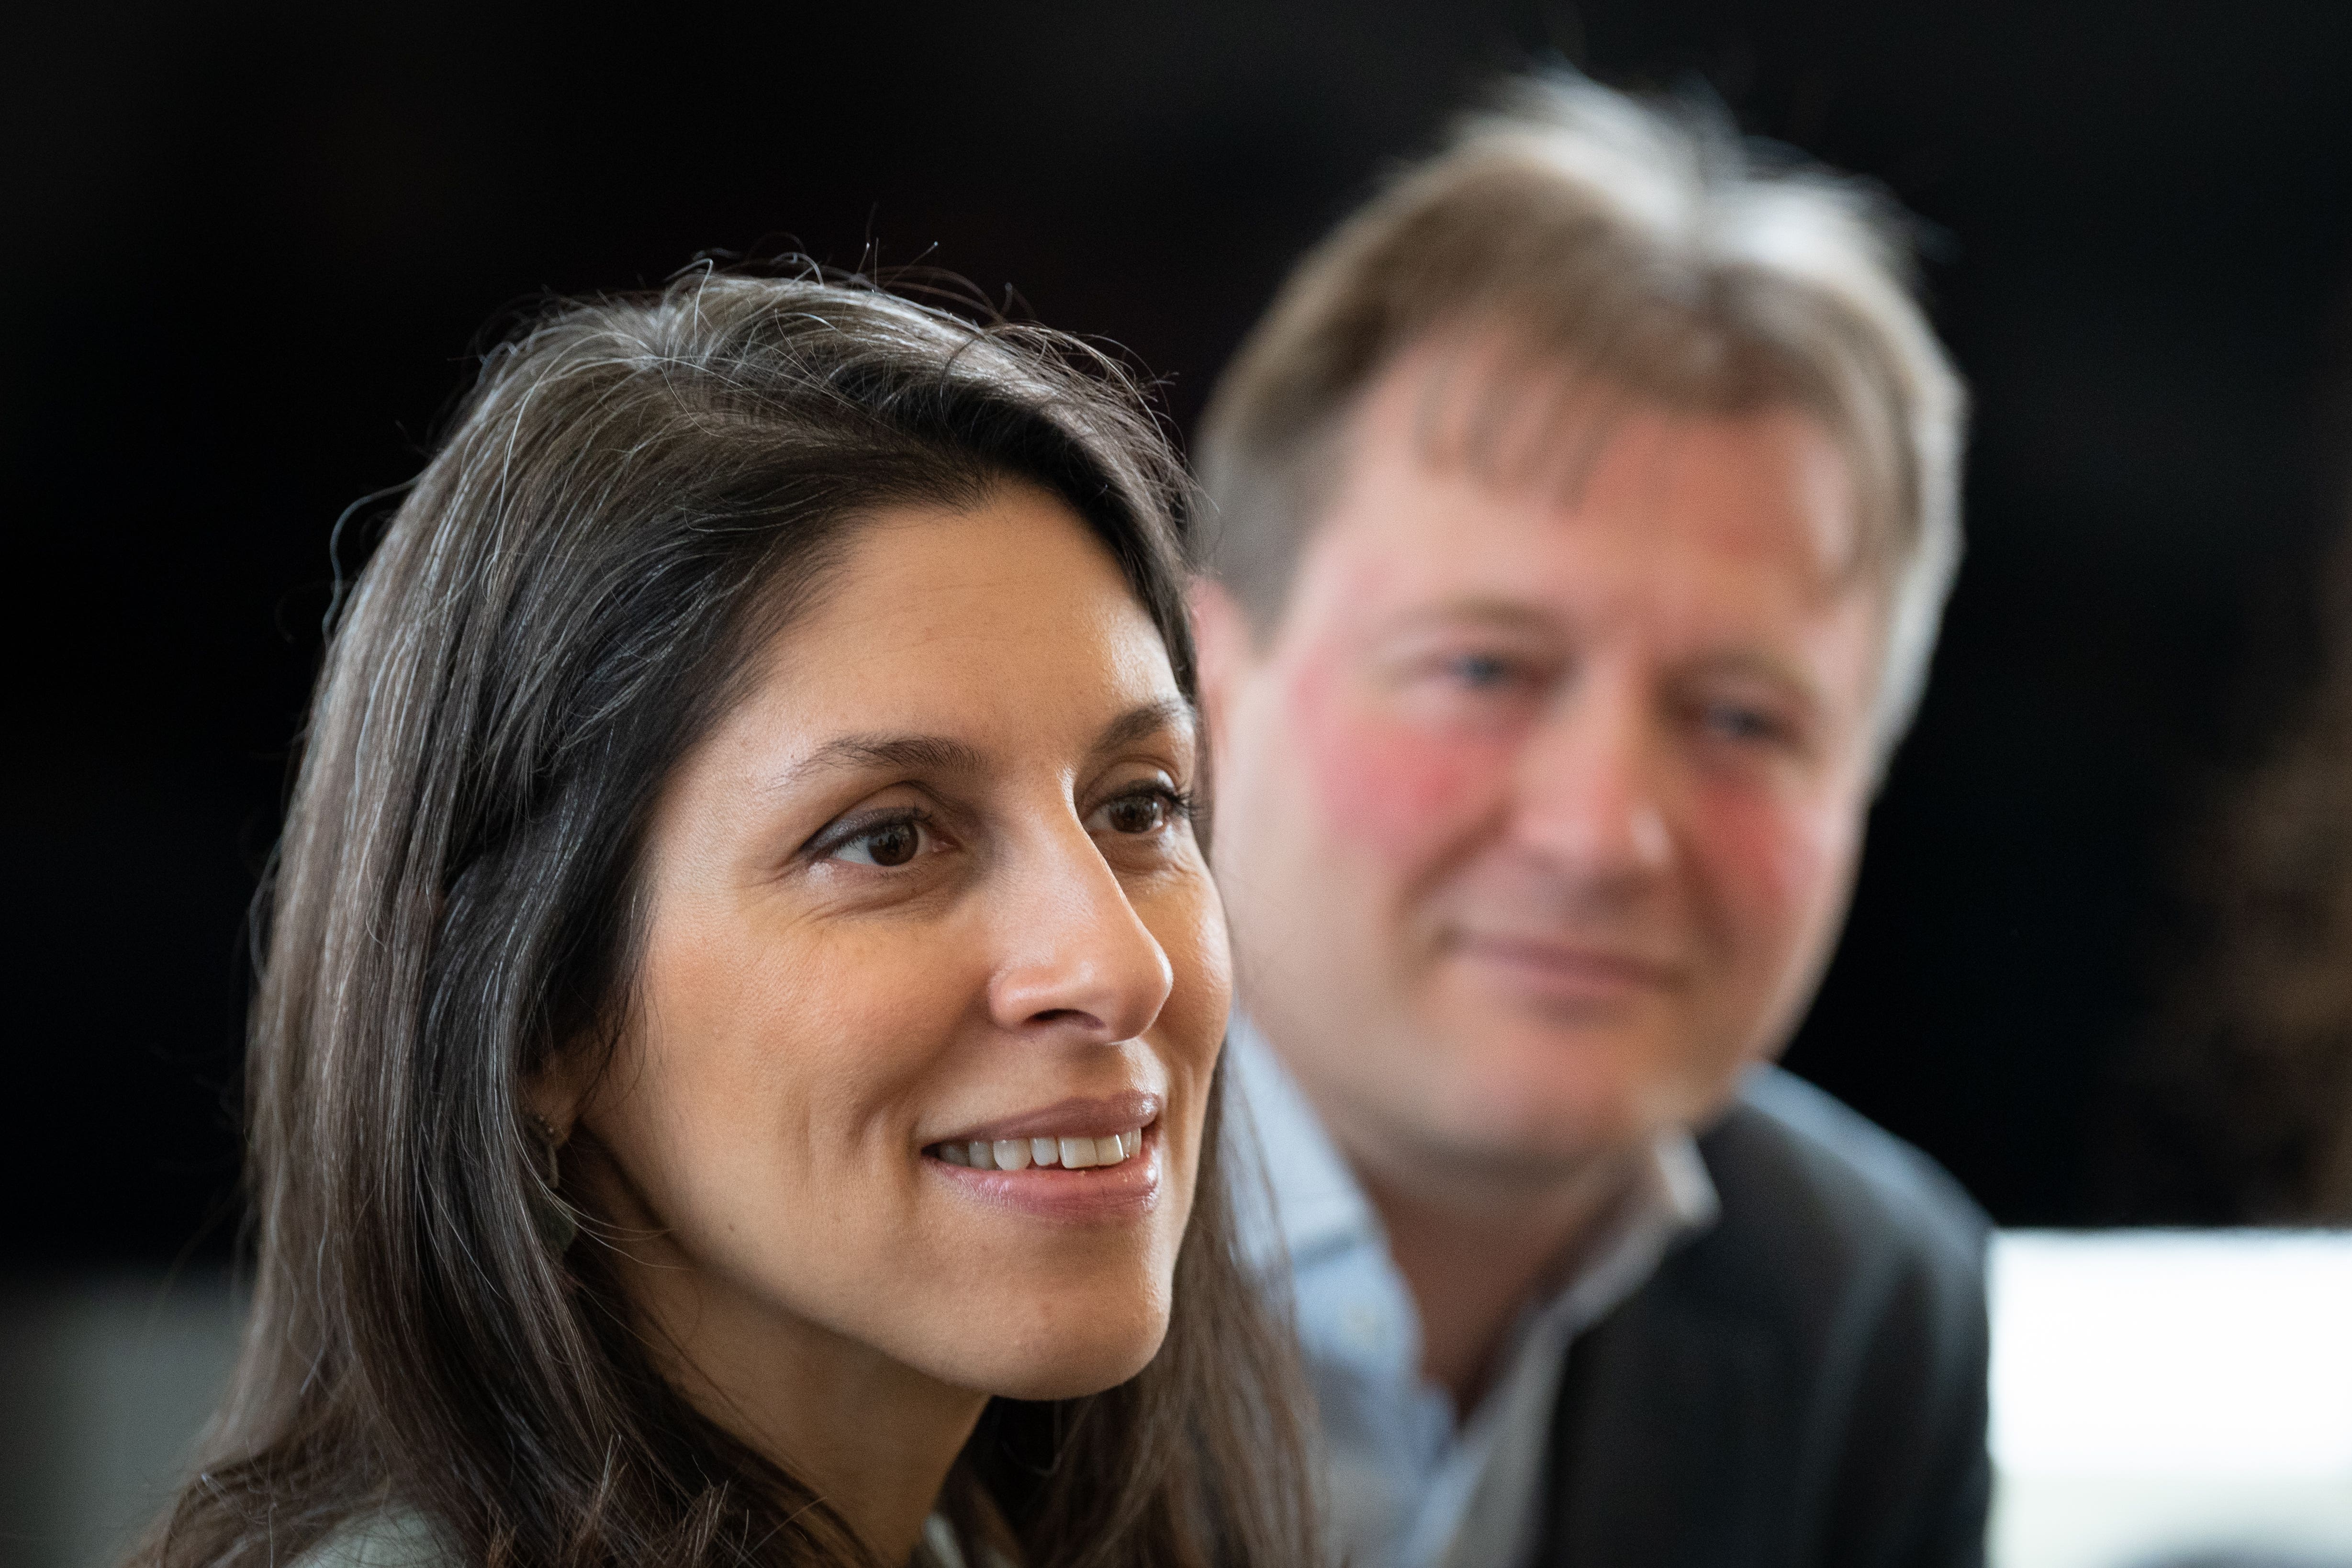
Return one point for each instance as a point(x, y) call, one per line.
point(1020, 1154)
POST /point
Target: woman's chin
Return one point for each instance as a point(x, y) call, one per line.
point(1070, 1380)
point(1065, 1367)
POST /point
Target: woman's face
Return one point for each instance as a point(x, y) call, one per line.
point(934, 979)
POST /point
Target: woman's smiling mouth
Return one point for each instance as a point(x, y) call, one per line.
point(1081, 1159)
point(1071, 1153)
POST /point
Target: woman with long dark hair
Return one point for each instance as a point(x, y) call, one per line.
point(733, 1078)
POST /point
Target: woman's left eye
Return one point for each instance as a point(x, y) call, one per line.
point(1140, 811)
point(886, 845)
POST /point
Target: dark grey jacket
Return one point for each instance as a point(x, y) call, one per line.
point(1802, 1386)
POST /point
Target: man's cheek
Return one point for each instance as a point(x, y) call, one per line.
point(1391, 787)
point(1775, 867)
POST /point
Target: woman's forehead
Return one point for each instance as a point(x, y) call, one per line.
point(1005, 623)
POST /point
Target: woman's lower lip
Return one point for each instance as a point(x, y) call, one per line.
point(1098, 1192)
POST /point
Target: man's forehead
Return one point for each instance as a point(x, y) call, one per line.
point(1457, 433)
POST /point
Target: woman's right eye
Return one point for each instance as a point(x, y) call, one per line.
point(886, 845)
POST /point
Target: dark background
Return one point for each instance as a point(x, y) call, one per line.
point(248, 247)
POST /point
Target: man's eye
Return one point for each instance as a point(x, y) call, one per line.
point(891, 843)
point(1481, 672)
point(1736, 723)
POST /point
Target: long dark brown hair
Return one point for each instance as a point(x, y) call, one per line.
point(637, 491)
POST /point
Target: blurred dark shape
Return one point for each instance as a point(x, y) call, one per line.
point(104, 1379)
point(2242, 1106)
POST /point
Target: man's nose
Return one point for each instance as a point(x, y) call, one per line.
point(1077, 962)
point(1592, 791)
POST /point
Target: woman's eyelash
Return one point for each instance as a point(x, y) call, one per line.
point(1182, 805)
point(1183, 802)
point(851, 833)
point(1180, 802)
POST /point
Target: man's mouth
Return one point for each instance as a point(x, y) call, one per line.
point(1570, 962)
point(1073, 1152)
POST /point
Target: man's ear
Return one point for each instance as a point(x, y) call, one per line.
point(1228, 649)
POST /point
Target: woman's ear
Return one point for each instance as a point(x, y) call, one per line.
point(555, 1095)
point(1227, 648)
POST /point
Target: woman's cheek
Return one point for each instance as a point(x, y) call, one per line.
point(1187, 921)
point(1186, 917)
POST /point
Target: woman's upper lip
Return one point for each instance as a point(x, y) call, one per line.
point(1080, 1116)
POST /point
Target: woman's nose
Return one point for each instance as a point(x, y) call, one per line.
point(1078, 961)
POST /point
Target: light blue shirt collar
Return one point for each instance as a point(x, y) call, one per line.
point(1411, 1485)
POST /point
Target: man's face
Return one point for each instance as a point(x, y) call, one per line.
point(1537, 808)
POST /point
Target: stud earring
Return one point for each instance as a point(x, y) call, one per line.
point(557, 1224)
point(550, 1140)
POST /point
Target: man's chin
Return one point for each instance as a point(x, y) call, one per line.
point(1556, 1132)
point(1548, 1095)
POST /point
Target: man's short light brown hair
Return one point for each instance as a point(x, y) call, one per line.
point(1641, 249)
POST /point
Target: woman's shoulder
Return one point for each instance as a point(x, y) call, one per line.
point(385, 1538)
point(400, 1538)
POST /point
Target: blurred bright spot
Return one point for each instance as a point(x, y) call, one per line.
point(2184, 1353)
point(2159, 1392)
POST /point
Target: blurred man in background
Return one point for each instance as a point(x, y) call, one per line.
point(1584, 508)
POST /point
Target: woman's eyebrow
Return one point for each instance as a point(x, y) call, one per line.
point(909, 754)
point(1141, 723)
point(941, 754)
